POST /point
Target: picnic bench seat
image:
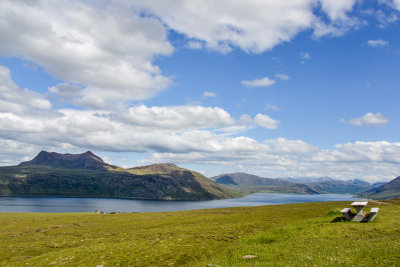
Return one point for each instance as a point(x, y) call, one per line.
point(348, 215)
point(372, 214)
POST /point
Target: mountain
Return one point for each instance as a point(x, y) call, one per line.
point(86, 160)
point(386, 191)
point(87, 175)
point(244, 182)
point(329, 185)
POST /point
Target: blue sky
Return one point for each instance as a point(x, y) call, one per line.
point(304, 88)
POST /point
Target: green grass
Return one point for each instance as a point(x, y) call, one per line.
point(282, 235)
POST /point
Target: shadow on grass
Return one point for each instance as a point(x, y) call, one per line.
point(339, 219)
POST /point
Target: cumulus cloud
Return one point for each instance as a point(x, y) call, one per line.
point(263, 82)
point(376, 43)
point(13, 151)
point(118, 66)
point(68, 39)
point(368, 120)
point(266, 121)
point(337, 10)
point(175, 117)
point(14, 99)
point(252, 26)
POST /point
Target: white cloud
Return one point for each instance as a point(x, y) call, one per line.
point(209, 94)
point(9, 156)
point(14, 99)
point(284, 146)
point(397, 4)
point(195, 45)
point(368, 120)
point(266, 121)
point(376, 43)
point(118, 66)
point(107, 49)
point(264, 82)
point(337, 10)
point(66, 92)
point(174, 117)
point(252, 25)
point(284, 77)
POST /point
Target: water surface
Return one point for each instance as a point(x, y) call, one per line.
point(64, 204)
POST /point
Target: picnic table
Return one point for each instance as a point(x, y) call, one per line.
point(360, 216)
point(359, 206)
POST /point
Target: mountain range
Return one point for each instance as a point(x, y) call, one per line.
point(329, 185)
point(248, 183)
point(87, 175)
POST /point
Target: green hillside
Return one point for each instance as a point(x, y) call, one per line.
point(307, 234)
point(387, 191)
point(87, 175)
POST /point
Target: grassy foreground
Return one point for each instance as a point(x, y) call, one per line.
point(282, 235)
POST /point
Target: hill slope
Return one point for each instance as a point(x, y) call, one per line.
point(87, 175)
point(386, 191)
point(307, 234)
point(252, 183)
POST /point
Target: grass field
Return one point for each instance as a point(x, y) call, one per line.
point(309, 234)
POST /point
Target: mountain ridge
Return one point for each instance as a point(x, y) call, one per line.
point(87, 175)
point(245, 182)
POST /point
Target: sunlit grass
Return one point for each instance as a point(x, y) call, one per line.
point(280, 235)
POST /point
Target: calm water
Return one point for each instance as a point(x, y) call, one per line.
point(61, 204)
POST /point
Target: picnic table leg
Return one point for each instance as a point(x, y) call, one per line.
point(360, 214)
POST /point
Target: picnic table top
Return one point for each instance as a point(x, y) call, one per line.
point(359, 203)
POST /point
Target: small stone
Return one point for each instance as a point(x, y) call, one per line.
point(249, 256)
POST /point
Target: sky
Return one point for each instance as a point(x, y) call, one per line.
point(290, 88)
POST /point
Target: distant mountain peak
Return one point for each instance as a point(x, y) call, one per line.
point(87, 160)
